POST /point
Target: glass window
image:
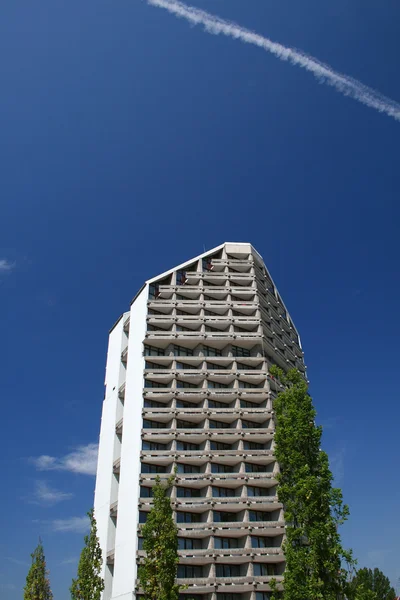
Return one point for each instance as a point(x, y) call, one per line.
point(153, 424)
point(221, 446)
point(181, 468)
point(153, 446)
point(208, 351)
point(262, 596)
point(153, 291)
point(186, 424)
point(225, 542)
point(221, 492)
point(189, 571)
point(189, 544)
point(237, 351)
point(142, 516)
point(152, 351)
point(182, 351)
point(253, 446)
point(146, 492)
point(250, 424)
point(146, 468)
point(260, 542)
point(257, 491)
point(186, 384)
point(215, 385)
point(228, 570)
point(187, 446)
point(153, 404)
point(224, 517)
point(217, 468)
point(183, 492)
point(184, 517)
point(253, 468)
point(262, 569)
point(259, 515)
point(216, 404)
point(206, 262)
point(154, 384)
point(246, 384)
point(219, 425)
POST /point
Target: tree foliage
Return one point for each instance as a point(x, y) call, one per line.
point(157, 574)
point(37, 581)
point(370, 584)
point(313, 509)
point(89, 584)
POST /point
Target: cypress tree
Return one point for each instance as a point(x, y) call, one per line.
point(313, 508)
point(89, 584)
point(37, 581)
point(157, 574)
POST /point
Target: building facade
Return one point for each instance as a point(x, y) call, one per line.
point(188, 388)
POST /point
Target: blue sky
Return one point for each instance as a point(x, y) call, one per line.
point(130, 141)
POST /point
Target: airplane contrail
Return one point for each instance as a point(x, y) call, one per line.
point(323, 72)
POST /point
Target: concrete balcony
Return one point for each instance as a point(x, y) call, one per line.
point(226, 555)
point(237, 585)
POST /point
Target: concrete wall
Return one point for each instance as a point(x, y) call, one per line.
point(128, 494)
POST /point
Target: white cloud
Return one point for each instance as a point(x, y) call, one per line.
point(82, 460)
point(47, 496)
point(72, 525)
point(6, 265)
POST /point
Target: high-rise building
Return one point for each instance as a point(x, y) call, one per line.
point(188, 388)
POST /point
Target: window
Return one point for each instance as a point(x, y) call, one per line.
point(260, 542)
point(152, 351)
point(181, 468)
point(219, 425)
point(142, 516)
point(215, 404)
point(215, 366)
point(207, 266)
point(189, 544)
point(153, 446)
point(183, 328)
point(257, 491)
point(153, 291)
point(253, 468)
point(247, 404)
point(221, 446)
point(151, 365)
point(224, 517)
point(181, 351)
point(215, 385)
point(217, 468)
point(184, 404)
point(221, 492)
point(153, 404)
point(154, 384)
point(181, 277)
point(237, 351)
point(146, 468)
point(184, 366)
point(183, 517)
point(249, 424)
point(186, 384)
point(146, 492)
point(140, 544)
point(187, 446)
point(259, 515)
point(227, 570)
point(225, 542)
point(253, 446)
point(243, 367)
point(262, 569)
point(229, 596)
point(262, 596)
point(189, 571)
point(183, 492)
point(153, 424)
point(246, 384)
point(186, 424)
point(208, 351)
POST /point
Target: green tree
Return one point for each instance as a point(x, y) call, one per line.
point(371, 585)
point(313, 509)
point(89, 584)
point(157, 574)
point(37, 581)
